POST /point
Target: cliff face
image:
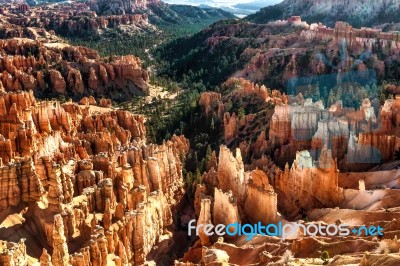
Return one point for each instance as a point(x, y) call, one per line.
point(355, 137)
point(72, 19)
point(306, 185)
point(121, 7)
point(357, 12)
point(34, 58)
point(295, 52)
point(311, 143)
point(29, 65)
point(236, 195)
point(13, 253)
point(244, 111)
point(261, 197)
point(94, 18)
point(107, 197)
point(277, 125)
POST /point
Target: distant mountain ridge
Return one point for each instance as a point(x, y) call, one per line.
point(357, 12)
point(158, 12)
point(161, 13)
point(3, 2)
point(255, 5)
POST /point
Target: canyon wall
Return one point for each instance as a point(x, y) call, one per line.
point(308, 184)
point(72, 19)
point(29, 65)
point(89, 195)
point(236, 195)
point(121, 7)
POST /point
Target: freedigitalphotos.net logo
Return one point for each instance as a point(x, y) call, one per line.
point(284, 231)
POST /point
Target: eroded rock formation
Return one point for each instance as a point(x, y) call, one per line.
point(72, 19)
point(90, 196)
point(315, 149)
point(80, 72)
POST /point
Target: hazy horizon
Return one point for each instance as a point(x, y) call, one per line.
point(221, 3)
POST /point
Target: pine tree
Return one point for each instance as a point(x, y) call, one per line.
point(228, 105)
point(197, 178)
point(241, 112)
point(207, 158)
point(182, 126)
point(189, 179)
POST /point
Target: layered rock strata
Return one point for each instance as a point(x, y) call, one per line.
point(62, 70)
point(92, 189)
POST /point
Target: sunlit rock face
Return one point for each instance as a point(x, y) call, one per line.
point(91, 196)
point(121, 7)
point(21, 70)
point(70, 19)
point(355, 137)
point(306, 165)
point(239, 195)
point(308, 185)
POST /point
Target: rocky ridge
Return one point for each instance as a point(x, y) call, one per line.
point(291, 54)
point(358, 12)
point(54, 69)
point(71, 19)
